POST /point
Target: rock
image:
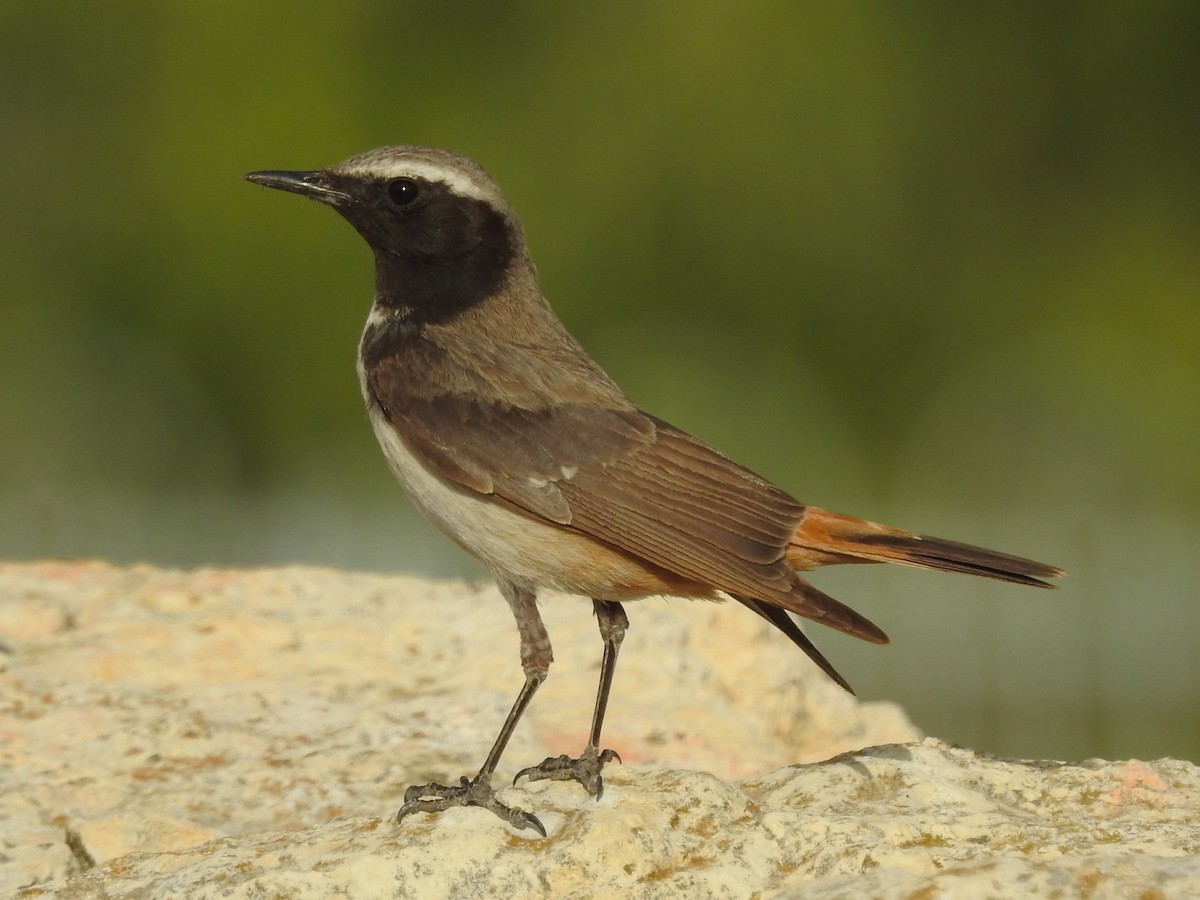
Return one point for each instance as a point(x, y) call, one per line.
point(250, 734)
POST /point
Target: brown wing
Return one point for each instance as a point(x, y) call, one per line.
point(682, 505)
point(518, 455)
point(606, 469)
point(618, 475)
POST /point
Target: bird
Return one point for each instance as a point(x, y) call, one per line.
point(521, 449)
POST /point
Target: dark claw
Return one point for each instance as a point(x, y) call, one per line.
point(585, 769)
point(521, 819)
point(433, 798)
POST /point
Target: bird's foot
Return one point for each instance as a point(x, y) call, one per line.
point(584, 768)
point(433, 798)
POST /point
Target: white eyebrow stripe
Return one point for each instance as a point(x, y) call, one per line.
point(459, 182)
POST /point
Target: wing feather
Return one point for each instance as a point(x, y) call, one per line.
point(601, 467)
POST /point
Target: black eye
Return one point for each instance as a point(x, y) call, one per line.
point(403, 191)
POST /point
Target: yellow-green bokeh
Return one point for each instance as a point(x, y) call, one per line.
point(931, 263)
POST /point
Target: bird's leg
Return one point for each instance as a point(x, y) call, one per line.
point(536, 656)
point(586, 767)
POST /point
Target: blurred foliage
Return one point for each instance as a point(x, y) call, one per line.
point(928, 262)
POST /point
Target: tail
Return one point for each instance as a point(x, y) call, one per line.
point(823, 538)
point(785, 623)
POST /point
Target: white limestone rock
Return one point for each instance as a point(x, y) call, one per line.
point(250, 734)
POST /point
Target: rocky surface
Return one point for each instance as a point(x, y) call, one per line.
point(250, 734)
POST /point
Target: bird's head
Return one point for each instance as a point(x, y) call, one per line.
point(442, 232)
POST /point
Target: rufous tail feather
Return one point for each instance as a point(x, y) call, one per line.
point(825, 538)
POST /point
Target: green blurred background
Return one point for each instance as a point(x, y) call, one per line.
point(932, 263)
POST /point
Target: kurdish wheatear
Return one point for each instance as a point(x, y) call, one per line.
point(521, 449)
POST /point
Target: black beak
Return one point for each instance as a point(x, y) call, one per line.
point(314, 185)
